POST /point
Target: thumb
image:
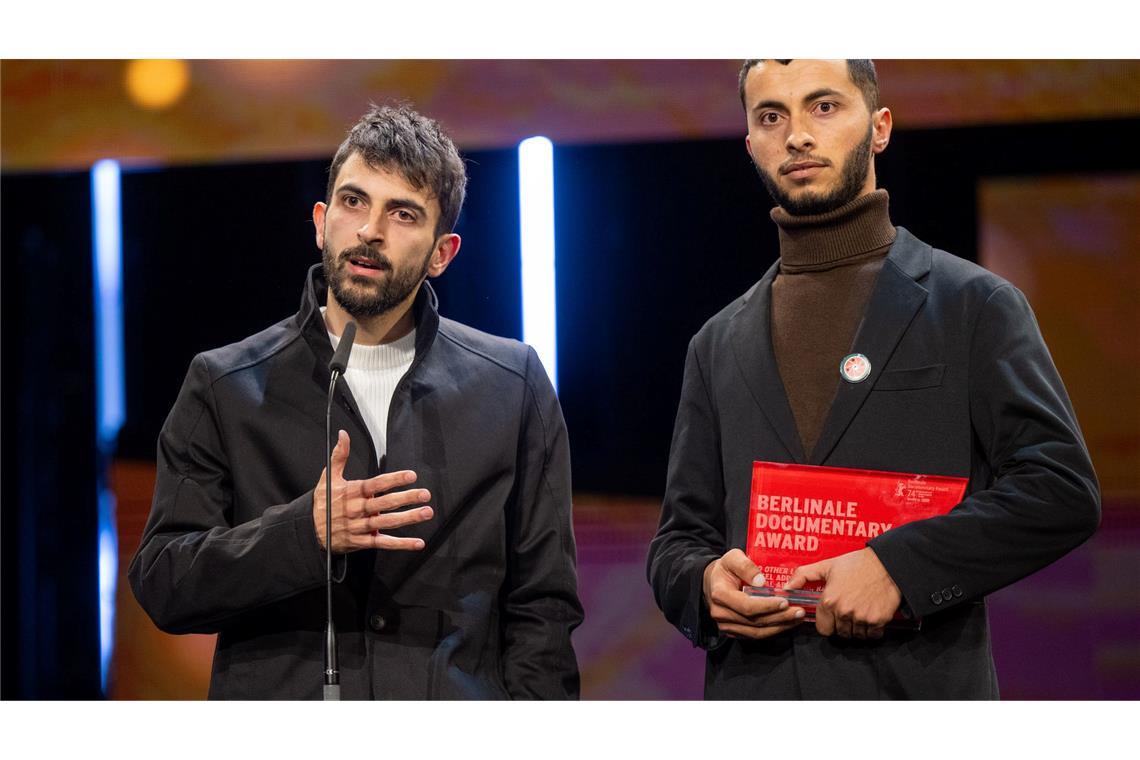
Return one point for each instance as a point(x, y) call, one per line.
point(340, 455)
point(737, 563)
point(807, 574)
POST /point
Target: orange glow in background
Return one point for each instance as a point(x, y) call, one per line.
point(69, 114)
point(157, 84)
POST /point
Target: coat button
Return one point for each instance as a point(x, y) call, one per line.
point(957, 590)
point(936, 598)
point(377, 622)
point(946, 595)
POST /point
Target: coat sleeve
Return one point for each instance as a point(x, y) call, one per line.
point(691, 533)
point(540, 597)
point(194, 568)
point(1033, 493)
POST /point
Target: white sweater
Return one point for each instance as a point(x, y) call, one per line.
point(372, 375)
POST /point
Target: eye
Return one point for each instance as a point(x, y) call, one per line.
point(768, 118)
point(404, 215)
point(352, 201)
point(826, 108)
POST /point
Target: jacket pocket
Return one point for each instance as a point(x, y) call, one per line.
point(911, 379)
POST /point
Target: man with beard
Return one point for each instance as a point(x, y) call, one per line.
point(451, 528)
point(954, 379)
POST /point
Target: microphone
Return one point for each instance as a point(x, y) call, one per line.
point(343, 349)
point(336, 368)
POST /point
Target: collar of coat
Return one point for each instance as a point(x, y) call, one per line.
point(425, 310)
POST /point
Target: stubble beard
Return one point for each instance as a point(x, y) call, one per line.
point(854, 176)
point(364, 298)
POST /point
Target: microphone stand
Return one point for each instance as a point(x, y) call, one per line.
point(336, 367)
point(332, 672)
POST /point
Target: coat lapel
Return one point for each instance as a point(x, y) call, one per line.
point(894, 302)
point(752, 347)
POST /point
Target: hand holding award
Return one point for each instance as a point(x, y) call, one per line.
point(807, 533)
point(859, 597)
point(736, 613)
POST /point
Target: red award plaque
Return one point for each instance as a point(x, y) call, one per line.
point(800, 514)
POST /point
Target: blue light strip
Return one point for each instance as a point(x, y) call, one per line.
point(108, 268)
point(536, 222)
point(110, 392)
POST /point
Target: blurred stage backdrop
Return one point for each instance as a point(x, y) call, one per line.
point(1028, 167)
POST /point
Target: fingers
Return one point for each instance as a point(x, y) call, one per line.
point(390, 501)
point(737, 613)
point(807, 574)
point(739, 607)
point(386, 482)
point(381, 541)
point(340, 455)
point(737, 563)
point(824, 621)
point(846, 625)
point(390, 521)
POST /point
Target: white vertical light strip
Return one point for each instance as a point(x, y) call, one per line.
point(108, 270)
point(110, 391)
point(536, 222)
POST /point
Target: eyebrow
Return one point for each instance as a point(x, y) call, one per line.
point(823, 92)
point(407, 203)
point(348, 187)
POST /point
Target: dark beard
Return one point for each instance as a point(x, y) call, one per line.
point(372, 299)
point(855, 170)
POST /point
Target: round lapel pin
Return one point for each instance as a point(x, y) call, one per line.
point(855, 368)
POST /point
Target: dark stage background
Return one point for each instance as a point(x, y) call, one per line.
point(652, 239)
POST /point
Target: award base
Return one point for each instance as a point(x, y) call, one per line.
point(809, 600)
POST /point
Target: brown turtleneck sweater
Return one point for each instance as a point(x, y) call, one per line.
point(828, 265)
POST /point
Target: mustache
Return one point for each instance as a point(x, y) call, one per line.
point(364, 253)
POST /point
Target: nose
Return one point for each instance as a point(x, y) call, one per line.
point(372, 231)
point(799, 138)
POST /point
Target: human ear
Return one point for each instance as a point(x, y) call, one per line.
point(446, 248)
point(319, 209)
point(881, 123)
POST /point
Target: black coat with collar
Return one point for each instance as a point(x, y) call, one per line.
point(962, 385)
point(484, 611)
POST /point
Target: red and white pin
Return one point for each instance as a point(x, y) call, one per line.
point(855, 368)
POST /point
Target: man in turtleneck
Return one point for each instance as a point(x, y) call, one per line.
point(862, 348)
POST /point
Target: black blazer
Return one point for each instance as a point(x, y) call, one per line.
point(961, 384)
point(484, 611)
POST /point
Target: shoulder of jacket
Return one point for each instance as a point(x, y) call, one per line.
point(718, 324)
point(480, 347)
point(249, 352)
point(955, 274)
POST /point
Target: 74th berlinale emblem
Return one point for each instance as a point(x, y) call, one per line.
point(855, 368)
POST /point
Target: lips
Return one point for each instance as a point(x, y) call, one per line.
point(801, 166)
point(366, 268)
point(366, 263)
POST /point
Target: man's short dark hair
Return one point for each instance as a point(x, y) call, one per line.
point(394, 137)
point(862, 73)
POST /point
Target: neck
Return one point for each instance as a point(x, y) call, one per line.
point(371, 331)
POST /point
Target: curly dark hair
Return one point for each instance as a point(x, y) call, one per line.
point(395, 137)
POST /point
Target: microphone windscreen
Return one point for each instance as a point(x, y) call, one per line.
point(343, 349)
